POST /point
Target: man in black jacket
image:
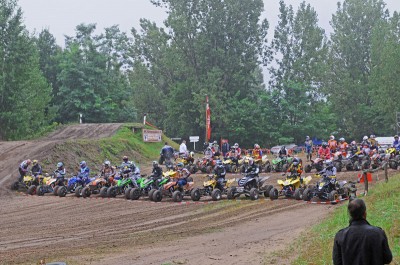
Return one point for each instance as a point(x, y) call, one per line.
point(360, 243)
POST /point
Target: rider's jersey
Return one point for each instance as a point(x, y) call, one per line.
point(295, 169)
point(36, 170)
point(324, 153)
point(328, 172)
point(107, 171)
point(24, 166)
point(257, 153)
point(167, 151)
point(183, 173)
point(60, 172)
point(157, 172)
point(396, 144)
point(308, 145)
point(84, 173)
point(332, 145)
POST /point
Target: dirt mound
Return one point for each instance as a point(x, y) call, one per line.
point(13, 152)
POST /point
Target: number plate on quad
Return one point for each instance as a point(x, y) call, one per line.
point(239, 189)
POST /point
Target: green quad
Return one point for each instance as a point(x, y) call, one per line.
point(121, 187)
point(281, 164)
point(145, 187)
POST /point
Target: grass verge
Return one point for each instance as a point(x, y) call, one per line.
point(383, 210)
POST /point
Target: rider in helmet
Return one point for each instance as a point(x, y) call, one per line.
point(309, 146)
point(36, 168)
point(396, 143)
point(374, 142)
point(60, 171)
point(332, 143)
point(257, 153)
point(252, 169)
point(127, 166)
point(156, 173)
point(84, 171)
point(107, 171)
point(215, 149)
point(324, 152)
point(343, 146)
point(366, 145)
point(353, 148)
point(220, 172)
point(329, 170)
point(283, 152)
point(295, 169)
point(23, 169)
point(183, 174)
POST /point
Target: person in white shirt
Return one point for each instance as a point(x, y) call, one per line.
point(183, 149)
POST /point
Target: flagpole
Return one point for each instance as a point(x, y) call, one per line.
point(206, 119)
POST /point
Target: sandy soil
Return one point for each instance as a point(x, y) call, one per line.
point(118, 231)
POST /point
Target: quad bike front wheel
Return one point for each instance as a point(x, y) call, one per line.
point(112, 192)
point(216, 195)
point(151, 192)
point(333, 196)
point(40, 191)
point(267, 190)
point(195, 195)
point(307, 194)
point(298, 194)
point(128, 193)
point(78, 191)
point(15, 185)
point(86, 192)
point(308, 168)
point(103, 192)
point(135, 194)
point(31, 190)
point(254, 194)
point(273, 194)
point(177, 196)
point(157, 196)
point(62, 191)
point(55, 190)
point(231, 193)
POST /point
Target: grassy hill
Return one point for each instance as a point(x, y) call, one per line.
point(128, 140)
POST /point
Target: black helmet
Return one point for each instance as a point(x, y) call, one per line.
point(324, 144)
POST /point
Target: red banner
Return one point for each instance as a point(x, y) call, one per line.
point(208, 121)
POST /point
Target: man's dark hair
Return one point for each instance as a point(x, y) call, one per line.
point(166, 143)
point(357, 209)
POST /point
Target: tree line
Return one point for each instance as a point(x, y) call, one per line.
point(343, 84)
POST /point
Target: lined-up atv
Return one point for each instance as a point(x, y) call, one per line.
point(281, 164)
point(317, 163)
point(97, 185)
point(392, 155)
point(327, 188)
point(145, 187)
point(230, 165)
point(251, 186)
point(291, 187)
point(188, 162)
point(26, 182)
point(211, 187)
point(171, 189)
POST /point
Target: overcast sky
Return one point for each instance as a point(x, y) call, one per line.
point(62, 16)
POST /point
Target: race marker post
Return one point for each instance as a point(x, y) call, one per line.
point(194, 140)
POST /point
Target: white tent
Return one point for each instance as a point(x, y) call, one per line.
point(385, 140)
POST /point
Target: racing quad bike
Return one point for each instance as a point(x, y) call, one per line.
point(26, 182)
point(266, 164)
point(144, 186)
point(250, 185)
point(357, 161)
point(377, 159)
point(188, 162)
point(230, 165)
point(78, 184)
point(211, 188)
point(40, 180)
point(50, 185)
point(172, 190)
point(317, 163)
point(328, 188)
point(97, 185)
point(123, 184)
point(392, 155)
point(339, 161)
point(244, 164)
point(281, 164)
point(206, 165)
point(291, 187)
point(167, 176)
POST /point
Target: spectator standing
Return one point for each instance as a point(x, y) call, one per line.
point(360, 243)
point(183, 149)
point(225, 148)
point(308, 144)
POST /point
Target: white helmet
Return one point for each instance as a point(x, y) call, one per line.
point(236, 145)
point(365, 138)
point(332, 137)
point(341, 139)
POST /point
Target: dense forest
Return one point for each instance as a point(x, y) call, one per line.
point(345, 83)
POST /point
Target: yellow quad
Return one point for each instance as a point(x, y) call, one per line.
point(27, 181)
point(210, 187)
point(291, 187)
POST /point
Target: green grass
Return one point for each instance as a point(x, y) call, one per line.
point(124, 142)
point(315, 246)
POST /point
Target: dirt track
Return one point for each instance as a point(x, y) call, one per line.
point(117, 231)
